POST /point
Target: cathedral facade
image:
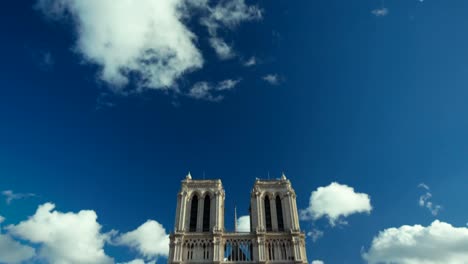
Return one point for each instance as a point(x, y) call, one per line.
point(199, 235)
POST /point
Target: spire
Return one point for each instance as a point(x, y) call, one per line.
point(189, 176)
point(283, 177)
point(235, 218)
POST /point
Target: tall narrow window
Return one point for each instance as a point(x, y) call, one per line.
point(279, 213)
point(206, 214)
point(267, 213)
point(193, 214)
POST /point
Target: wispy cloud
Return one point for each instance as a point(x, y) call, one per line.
point(315, 234)
point(425, 200)
point(10, 196)
point(210, 92)
point(251, 62)
point(380, 12)
point(222, 49)
point(272, 79)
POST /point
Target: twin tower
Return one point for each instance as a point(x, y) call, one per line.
point(200, 237)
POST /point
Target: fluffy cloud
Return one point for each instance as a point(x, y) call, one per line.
point(439, 243)
point(12, 251)
point(334, 202)
point(64, 237)
point(272, 79)
point(147, 39)
point(10, 196)
point(243, 223)
point(209, 92)
point(425, 200)
point(149, 239)
point(317, 262)
point(148, 42)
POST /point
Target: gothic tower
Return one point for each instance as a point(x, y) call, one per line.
point(199, 235)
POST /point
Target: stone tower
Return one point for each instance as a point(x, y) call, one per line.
point(199, 235)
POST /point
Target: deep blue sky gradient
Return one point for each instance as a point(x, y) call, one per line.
point(377, 103)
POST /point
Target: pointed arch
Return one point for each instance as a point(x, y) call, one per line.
point(268, 224)
point(193, 214)
point(206, 213)
point(279, 213)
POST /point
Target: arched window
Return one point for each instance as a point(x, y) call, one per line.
point(193, 214)
point(267, 213)
point(206, 214)
point(279, 213)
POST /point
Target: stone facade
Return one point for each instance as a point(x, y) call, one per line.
point(199, 235)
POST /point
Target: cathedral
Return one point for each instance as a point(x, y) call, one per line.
point(200, 237)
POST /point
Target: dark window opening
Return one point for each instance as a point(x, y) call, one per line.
point(206, 214)
point(279, 213)
point(193, 214)
point(268, 214)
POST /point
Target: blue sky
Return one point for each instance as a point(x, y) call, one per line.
point(96, 115)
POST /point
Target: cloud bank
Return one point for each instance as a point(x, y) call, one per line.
point(335, 202)
point(439, 243)
point(77, 238)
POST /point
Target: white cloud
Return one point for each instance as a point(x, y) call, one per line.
point(271, 79)
point(380, 12)
point(439, 243)
point(251, 62)
point(227, 84)
point(228, 13)
point(147, 41)
point(334, 202)
point(202, 90)
point(209, 92)
point(12, 251)
point(315, 234)
point(149, 239)
point(317, 262)
point(223, 50)
point(2, 219)
point(10, 196)
point(425, 200)
point(64, 237)
point(243, 223)
point(147, 38)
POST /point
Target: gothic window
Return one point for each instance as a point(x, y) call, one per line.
point(279, 213)
point(206, 214)
point(267, 214)
point(193, 214)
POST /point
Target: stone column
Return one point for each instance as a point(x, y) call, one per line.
point(219, 212)
point(261, 249)
point(295, 213)
point(181, 211)
point(274, 216)
point(253, 212)
point(260, 212)
point(201, 202)
point(287, 212)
